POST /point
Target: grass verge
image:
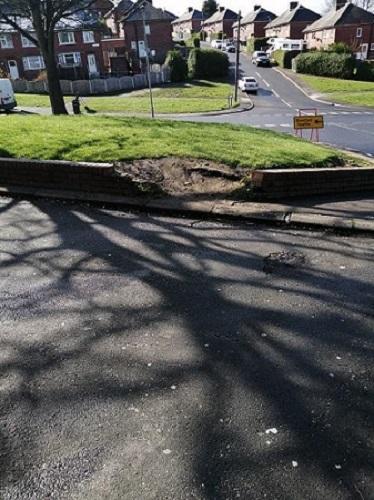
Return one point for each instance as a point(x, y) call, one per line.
point(103, 139)
point(344, 91)
point(199, 96)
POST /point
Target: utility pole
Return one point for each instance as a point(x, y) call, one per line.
point(237, 65)
point(146, 48)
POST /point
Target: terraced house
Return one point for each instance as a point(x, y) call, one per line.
point(346, 23)
point(292, 22)
point(77, 43)
point(253, 24)
point(220, 24)
point(188, 23)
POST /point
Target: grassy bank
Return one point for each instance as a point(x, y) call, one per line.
point(344, 91)
point(102, 139)
point(198, 96)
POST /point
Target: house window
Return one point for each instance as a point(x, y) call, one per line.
point(70, 59)
point(359, 32)
point(6, 41)
point(88, 37)
point(66, 37)
point(26, 42)
point(372, 46)
point(147, 29)
point(33, 63)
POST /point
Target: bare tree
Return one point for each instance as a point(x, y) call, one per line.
point(44, 16)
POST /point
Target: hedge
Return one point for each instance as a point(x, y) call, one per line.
point(256, 44)
point(208, 64)
point(328, 64)
point(364, 71)
point(177, 65)
point(284, 57)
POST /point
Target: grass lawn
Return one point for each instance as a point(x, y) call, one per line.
point(103, 139)
point(198, 96)
point(345, 91)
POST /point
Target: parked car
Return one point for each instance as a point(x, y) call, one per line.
point(248, 84)
point(216, 44)
point(7, 98)
point(260, 58)
point(230, 47)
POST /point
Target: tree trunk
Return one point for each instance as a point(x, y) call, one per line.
point(55, 93)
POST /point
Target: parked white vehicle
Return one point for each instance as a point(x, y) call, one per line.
point(284, 44)
point(248, 84)
point(7, 98)
point(216, 44)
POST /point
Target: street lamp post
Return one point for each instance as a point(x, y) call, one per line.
point(237, 65)
point(146, 48)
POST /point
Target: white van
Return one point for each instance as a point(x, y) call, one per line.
point(7, 98)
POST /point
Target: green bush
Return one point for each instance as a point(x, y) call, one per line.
point(340, 48)
point(284, 57)
point(207, 64)
point(256, 44)
point(196, 43)
point(177, 65)
point(216, 36)
point(328, 64)
point(364, 71)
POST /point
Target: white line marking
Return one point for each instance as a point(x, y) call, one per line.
point(258, 74)
point(275, 93)
point(286, 103)
point(266, 83)
point(333, 113)
point(351, 128)
point(285, 125)
point(270, 125)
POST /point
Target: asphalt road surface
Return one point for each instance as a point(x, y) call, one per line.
point(156, 358)
point(278, 101)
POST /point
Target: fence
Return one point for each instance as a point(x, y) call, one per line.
point(94, 86)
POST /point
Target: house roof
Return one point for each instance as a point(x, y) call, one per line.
point(121, 7)
point(349, 14)
point(256, 16)
point(189, 16)
point(221, 15)
point(298, 14)
point(151, 13)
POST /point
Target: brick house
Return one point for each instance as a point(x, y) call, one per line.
point(346, 23)
point(253, 24)
point(77, 43)
point(221, 21)
point(188, 23)
point(158, 30)
point(292, 22)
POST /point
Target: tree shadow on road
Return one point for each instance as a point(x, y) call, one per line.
point(126, 319)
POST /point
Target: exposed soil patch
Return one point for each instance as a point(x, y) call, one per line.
point(185, 177)
point(281, 261)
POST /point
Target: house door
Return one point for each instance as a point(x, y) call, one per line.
point(13, 70)
point(364, 51)
point(92, 66)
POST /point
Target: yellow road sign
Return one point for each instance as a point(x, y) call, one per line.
point(308, 122)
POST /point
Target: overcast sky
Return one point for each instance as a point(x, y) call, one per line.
point(276, 6)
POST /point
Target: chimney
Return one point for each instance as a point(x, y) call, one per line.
point(190, 9)
point(256, 7)
point(221, 9)
point(294, 5)
point(339, 4)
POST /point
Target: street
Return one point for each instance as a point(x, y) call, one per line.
point(147, 357)
point(278, 101)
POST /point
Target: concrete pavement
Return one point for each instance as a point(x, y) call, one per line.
point(154, 358)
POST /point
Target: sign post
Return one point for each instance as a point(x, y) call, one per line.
point(308, 119)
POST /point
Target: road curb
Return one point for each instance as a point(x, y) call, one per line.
point(206, 209)
point(299, 87)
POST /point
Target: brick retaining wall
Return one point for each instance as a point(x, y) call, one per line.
point(284, 183)
point(69, 176)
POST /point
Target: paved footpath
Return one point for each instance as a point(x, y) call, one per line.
point(164, 358)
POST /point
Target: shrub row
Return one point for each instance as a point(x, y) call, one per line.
point(284, 57)
point(177, 65)
point(365, 71)
point(328, 64)
point(209, 64)
point(256, 44)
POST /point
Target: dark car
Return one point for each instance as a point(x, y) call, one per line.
point(260, 59)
